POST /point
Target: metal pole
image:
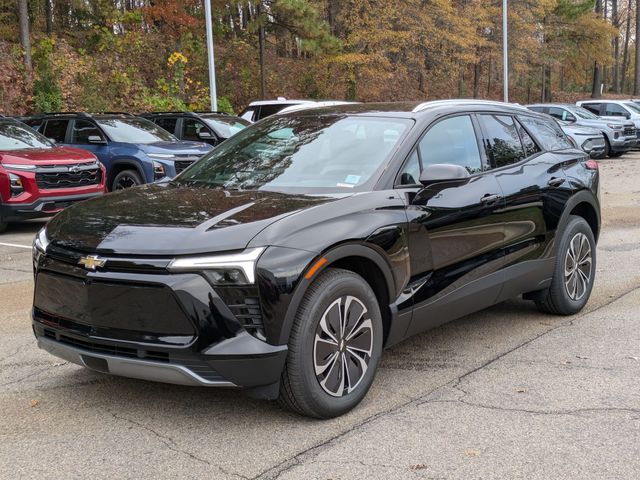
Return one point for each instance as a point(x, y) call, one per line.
point(505, 52)
point(212, 65)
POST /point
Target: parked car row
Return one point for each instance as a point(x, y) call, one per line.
point(594, 127)
point(43, 158)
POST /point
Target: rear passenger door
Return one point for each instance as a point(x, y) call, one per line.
point(521, 155)
point(455, 232)
point(56, 129)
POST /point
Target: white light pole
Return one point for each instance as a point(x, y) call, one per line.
point(505, 52)
point(212, 65)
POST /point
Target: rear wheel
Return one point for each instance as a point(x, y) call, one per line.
point(334, 347)
point(574, 271)
point(126, 179)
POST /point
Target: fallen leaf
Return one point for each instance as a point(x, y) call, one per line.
point(520, 390)
point(418, 466)
point(582, 358)
point(472, 453)
point(633, 358)
point(34, 402)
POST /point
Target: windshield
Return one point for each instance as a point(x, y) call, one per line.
point(583, 113)
point(302, 154)
point(16, 136)
point(134, 130)
point(226, 127)
point(632, 106)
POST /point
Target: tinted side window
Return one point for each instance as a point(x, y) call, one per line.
point(169, 124)
point(268, 110)
point(592, 107)
point(503, 142)
point(538, 109)
point(614, 110)
point(411, 172)
point(82, 130)
point(191, 129)
point(561, 114)
point(547, 132)
point(35, 123)
point(530, 147)
point(248, 113)
point(452, 140)
point(56, 129)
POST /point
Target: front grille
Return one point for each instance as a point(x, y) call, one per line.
point(629, 132)
point(62, 177)
point(249, 314)
point(182, 165)
point(107, 348)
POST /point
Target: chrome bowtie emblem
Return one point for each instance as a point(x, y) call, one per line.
point(74, 169)
point(91, 262)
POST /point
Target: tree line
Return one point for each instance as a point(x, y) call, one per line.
point(140, 55)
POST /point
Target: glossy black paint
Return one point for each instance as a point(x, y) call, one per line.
point(431, 254)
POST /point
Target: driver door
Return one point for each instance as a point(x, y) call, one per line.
point(456, 229)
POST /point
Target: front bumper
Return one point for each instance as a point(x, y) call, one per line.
point(137, 320)
point(623, 144)
point(42, 207)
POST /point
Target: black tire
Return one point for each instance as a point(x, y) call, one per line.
point(615, 154)
point(607, 148)
point(300, 386)
point(557, 299)
point(126, 179)
point(3, 225)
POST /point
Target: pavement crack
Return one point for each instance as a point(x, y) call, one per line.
point(281, 468)
point(173, 446)
point(15, 352)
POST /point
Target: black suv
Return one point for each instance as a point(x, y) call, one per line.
point(210, 127)
point(291, 255)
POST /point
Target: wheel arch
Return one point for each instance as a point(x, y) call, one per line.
point(121, 165)
point(359, 258)
point(583, 204)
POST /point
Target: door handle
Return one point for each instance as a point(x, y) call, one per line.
point(555, 181)
point(490, 198)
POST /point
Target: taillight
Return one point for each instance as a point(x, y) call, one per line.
point(591, 165)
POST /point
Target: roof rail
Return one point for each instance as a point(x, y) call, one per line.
point(84, 114)
point(435, 103)
point(217, 112)
point(114, 113)
point(171, 113)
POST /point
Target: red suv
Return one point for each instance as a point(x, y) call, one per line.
point(38, 179)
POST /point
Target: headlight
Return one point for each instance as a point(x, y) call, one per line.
point(17, 166)
point(232, 269)
point(162, 156)
point(41, 242)
point(15, 183)
point(159, 171)
point(614, 126)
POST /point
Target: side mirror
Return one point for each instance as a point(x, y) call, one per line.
point(443, 172)
point(52, 140)
point(96, 139)
point(205, 135)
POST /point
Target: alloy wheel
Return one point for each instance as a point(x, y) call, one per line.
point(126, 181)
point(577, 266)
point(342, 346)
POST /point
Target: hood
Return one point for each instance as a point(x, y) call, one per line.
point(177, 148)
point(600, 122)
point(47, 156)
point(572, 129)
point(167, 219)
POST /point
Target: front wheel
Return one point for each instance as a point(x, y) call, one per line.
point(126, 179)
point(615, 154)
point(334, 347)
point(574, 271)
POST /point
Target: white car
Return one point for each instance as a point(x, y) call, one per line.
point(307, 106)
point(615, 109)
point(263, 108)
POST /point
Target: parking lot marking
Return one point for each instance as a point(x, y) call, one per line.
point(15, 245)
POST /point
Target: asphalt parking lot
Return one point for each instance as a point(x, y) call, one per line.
point(504, 393)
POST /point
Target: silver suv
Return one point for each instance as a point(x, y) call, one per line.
point(619, 134)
